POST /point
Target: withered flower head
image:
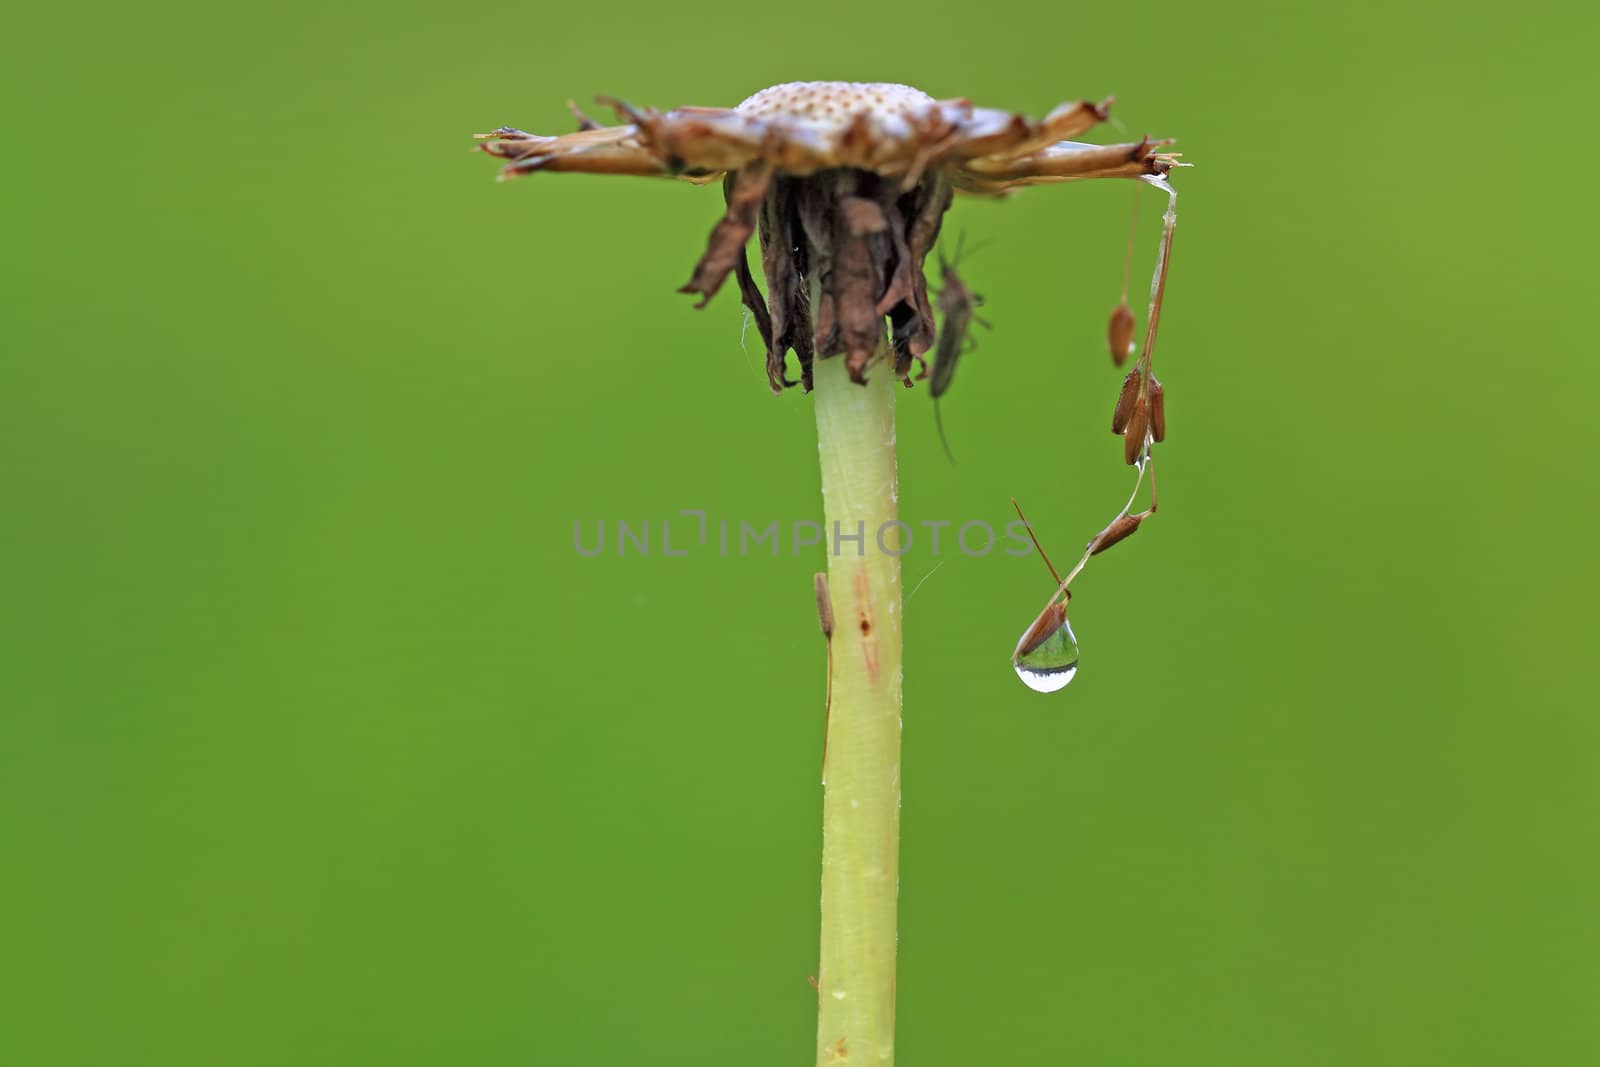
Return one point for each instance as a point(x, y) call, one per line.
point(848, 183)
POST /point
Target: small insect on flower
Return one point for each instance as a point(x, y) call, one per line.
point(847, 184)
point(957, 310)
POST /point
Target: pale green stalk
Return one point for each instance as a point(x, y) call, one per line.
point(861, 802)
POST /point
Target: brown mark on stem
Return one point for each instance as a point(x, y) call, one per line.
point(869, 641)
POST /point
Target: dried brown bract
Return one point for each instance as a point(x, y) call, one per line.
point(957, 312)
point(1046, 623)
point(1138, 426)
point(847, 184)
point(1123, 526)
point(958, 307)
point(1125, 401)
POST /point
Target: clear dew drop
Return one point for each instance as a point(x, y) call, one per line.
point(1052, 663)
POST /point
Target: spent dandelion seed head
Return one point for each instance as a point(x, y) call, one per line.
point(847, 184)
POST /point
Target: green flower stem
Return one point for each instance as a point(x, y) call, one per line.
point(861, 801)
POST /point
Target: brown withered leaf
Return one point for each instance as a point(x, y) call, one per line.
point(856, 278)
point(750, 295)
point(784, 262)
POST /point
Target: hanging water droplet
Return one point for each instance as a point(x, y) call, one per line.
point(1047, 662)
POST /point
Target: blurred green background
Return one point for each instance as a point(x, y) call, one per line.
point(320, 745)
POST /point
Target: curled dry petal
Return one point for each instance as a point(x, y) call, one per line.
point(746, 189)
